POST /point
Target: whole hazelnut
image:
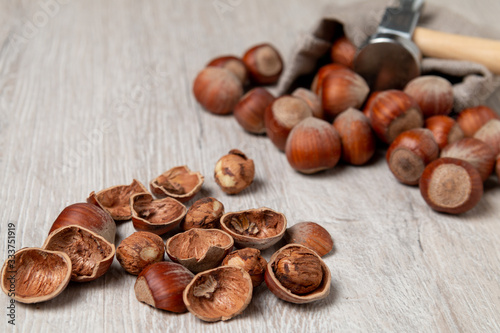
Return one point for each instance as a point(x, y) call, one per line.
point(249, 112)
point(433, 94)
point(140, 250)
point(234, 172)
point(444, 129)
point(250, 260)
point(323, 72)
point(343, 52)
point(312, 146)
point(367, 108)
point(217, 89)
point(472, 119)
point(311, 99)
point(282, 115)
point(490, 134)
point(408, 155)
point(204, 213)
point(311, 235)
point(356, 136)
point(234, 64)
point(264, 64)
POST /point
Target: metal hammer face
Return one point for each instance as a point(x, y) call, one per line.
point(389, 58)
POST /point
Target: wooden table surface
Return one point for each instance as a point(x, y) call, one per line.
point(96, 93)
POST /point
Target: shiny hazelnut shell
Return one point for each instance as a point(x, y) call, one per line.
point(343, 52)
point(311, 99)
point(264, 64)
point(323, 72)
point(490, 134)
point(234, 64)
point(250, 110)
point(434, 94)
point(140, 250)
point(310, 235)
point(250, 260)
point(179, 183)
point(445, 130)
point(472, 119)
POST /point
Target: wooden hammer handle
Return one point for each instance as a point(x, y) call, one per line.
point(449, 46)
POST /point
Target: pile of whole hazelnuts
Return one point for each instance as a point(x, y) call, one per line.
point(204, 275)
point(448, 153)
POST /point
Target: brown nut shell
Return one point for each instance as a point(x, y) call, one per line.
point(323, 72)
point(497, 168)
point(221, 293)
point(343, 52)
point(116, 199)
point(88, 216)
point(179, 183)
point(249, 112)
point(156, 216)
point(251, 261)
point(444, 129)
point(264, 64)
point(259, 228)
point(162, 284)
point(311, 235)
point(35, 275)
point(434, 94)
point(140, 250)
point(278, 289)
point(91, 255)
point(205, 213)
point(472, 119)
point(490, 134)
point(234, 172)
point(199, 249)
point(233, 64)
point(311, 99)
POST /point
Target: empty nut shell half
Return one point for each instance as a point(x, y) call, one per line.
point(251, 261)
point(259, 228)
point(302, 270)
point(156, 216)
point(140, 250)
point(219, 294)
point(179, 183)
point(34, 275)
point(91, 255)
point(199, 249)
point(116, 199)
point(311, 235)
point(204, 213)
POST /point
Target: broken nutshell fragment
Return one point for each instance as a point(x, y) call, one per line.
point(156, 216)
point(250, 260)
point(234, 172)
point(116, 199)
point(259, 228)
point(179, 183)
point(199, 249)
point(311, 235)
point(204, 213)
point(35, 275)
point(219, 294)
point(139, 250)
point(297, 274)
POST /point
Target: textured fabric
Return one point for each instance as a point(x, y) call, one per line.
point(472, 83)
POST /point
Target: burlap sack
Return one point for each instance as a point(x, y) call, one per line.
point(472, 83)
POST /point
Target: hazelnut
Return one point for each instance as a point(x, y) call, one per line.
point(472, 119)
point(249, 112)
point(311, 99)
point(394, 112)
point(140, 250)
point(367, 108)
point(162, 284)
point(490, 134)
point(179, 183)
point(217, 89)
point(116, 200)
point(40, 275)
point(199, 249)
point(156, 216)
point(221, 293)
point(91, 255)
point(204, 213)
point(250, 260)
point(342, 89)
point(264, 64)
point(259, 228)
point(408, 155)
point(234, 64)
point(323, 72)
point(297, 274)
point(311, 235)
point(474, 151)
point(312, 146)
point(356, 136)
point(444, 129)
point(451, 185)
point(282, 115)
point(234, 172)
point(90, 217)
point(343, 52)
point(433, 94)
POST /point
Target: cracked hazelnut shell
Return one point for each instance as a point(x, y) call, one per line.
point(35, 275)
point(298, 275)
point(116, 199)
point(444, 129)
point(156, 216)
point(91, 255)
point(199, 249)
point(234, 172)
point(310, 235)
point(162, 284)
point(219, 294)
point(264, 64)
point(140, 250)
point(179, 183)
point(204, 213)
point(259, 228)
point(251, 261)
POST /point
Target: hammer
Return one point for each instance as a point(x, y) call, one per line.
point(390, 58)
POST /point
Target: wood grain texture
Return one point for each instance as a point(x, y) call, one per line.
point(99, 93)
